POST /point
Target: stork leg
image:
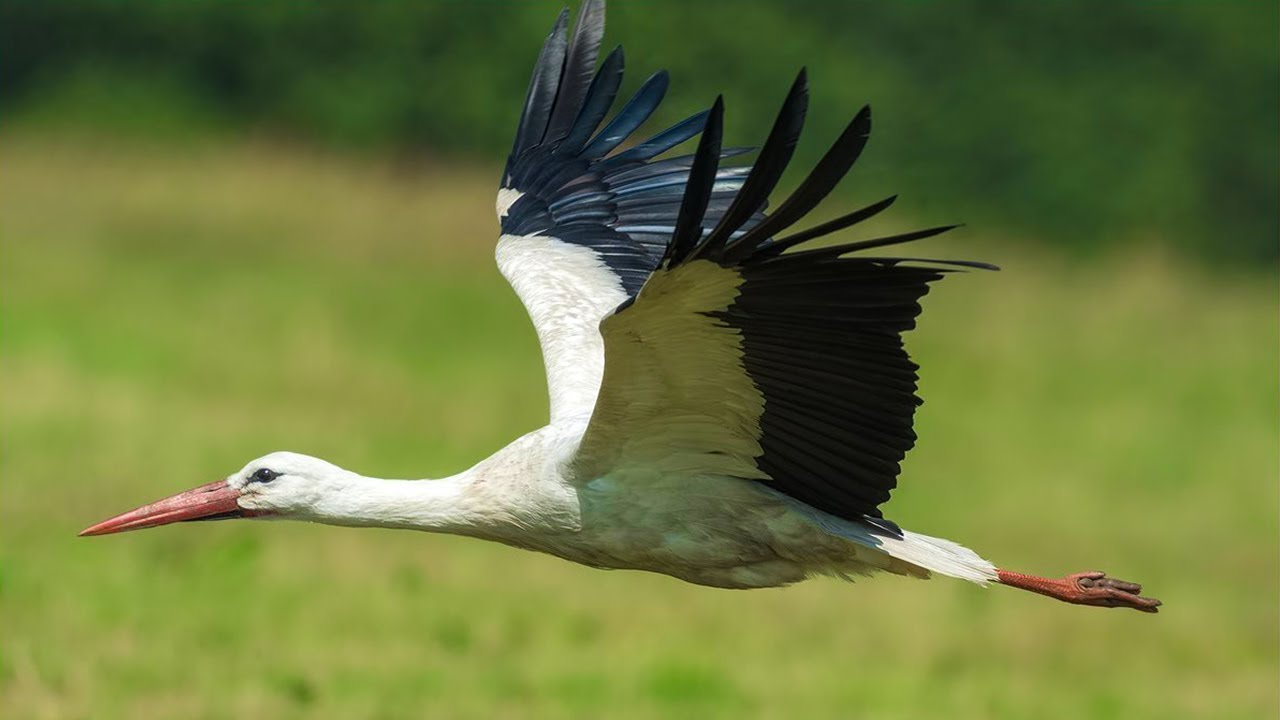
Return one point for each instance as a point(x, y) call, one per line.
point(1086, 588)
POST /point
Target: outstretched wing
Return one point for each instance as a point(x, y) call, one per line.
point(584, 224)
point(745, 356)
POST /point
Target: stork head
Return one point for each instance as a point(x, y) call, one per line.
point(282, 484)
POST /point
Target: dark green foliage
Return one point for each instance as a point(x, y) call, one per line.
point(1086, 123)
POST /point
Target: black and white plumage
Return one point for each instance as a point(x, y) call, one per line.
point(819, 332)
point(729, 403)
point(563, 177)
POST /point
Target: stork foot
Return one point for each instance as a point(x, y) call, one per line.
point(1086, 588)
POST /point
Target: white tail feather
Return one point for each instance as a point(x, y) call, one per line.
point(933, 554)
point(937, 555)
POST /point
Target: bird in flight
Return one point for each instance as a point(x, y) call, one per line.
point(729, 403)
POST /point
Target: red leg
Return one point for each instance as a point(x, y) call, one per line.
point(1087, 588)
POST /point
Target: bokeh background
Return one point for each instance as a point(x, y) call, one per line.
point(231, 228)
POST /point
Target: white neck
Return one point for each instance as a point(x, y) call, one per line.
point(512, 495)
point(450, 505)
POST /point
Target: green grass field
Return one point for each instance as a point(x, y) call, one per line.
point(169, 315)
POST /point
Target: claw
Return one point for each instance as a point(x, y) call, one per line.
point(1099, 590)
point(1088, 581)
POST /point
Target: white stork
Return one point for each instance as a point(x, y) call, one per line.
point(727, 407)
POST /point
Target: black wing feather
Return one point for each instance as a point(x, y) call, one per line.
point(579, 68)
point(573, 185)
point(825, 176)
point(775, 154)
point(827, 228)
point(699, 189)
point(663, 141)
point(821, 330)
point(542, 88)
point(600, 97)
point(632, 115)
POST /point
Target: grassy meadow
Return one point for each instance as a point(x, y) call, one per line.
point(168, 315)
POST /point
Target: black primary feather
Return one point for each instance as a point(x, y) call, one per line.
point(575, 184)
point(600, 97)
point(632, 115)
point(825, 176)
point(774, 156)
point(821, 329)
point(579, 68)
point(697, 194)
point(542, 90)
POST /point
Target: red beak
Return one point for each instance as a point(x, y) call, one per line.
point(214, 501)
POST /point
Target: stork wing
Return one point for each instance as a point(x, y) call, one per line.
point(583, 224)
point(739, 359)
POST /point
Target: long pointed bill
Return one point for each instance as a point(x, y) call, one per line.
point(214, 501)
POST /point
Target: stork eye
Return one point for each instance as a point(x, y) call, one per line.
point(264, 475)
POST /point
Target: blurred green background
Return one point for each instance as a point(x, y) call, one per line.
point(230, 228)
point(1086, 124)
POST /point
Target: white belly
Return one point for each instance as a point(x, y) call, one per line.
point(710, 530)
point(716, 531)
